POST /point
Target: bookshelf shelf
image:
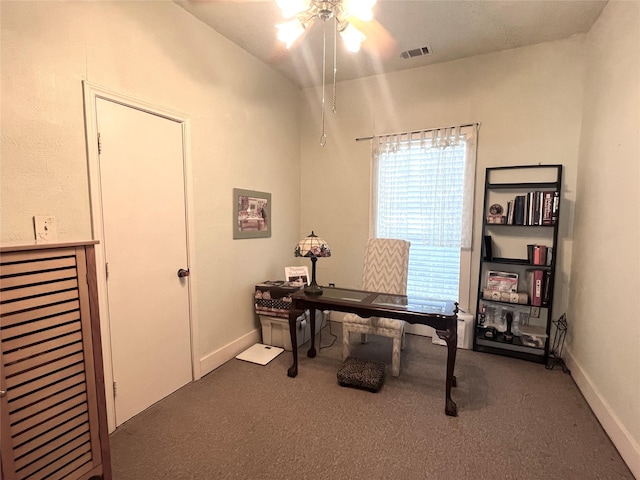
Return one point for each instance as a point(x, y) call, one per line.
point(515, 345)
point(521, 186)
point(527, 199)
point(490, 300)
point(504, 225)
point(514, 261)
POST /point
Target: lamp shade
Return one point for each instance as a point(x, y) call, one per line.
point(312, 246)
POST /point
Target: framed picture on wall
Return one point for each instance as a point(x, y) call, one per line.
point(251, 214)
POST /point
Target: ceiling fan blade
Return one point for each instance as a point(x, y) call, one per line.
point(379, 41)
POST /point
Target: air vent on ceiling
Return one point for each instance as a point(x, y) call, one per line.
point(416, 52)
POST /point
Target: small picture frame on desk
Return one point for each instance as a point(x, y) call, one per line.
point(297, 275)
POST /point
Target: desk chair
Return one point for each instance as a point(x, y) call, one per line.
point(386, 265)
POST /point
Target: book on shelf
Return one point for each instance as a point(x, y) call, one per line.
point(537, 254)
point(488, 248)
point(532, 216)
point(547, 208)
point(535, 281)
point(519, 210)
point(556, 207)
point(510, 212)
point(547, 288)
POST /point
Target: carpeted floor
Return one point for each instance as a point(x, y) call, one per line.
point(516, 420)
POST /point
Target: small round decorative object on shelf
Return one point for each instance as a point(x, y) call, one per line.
point(495, 209)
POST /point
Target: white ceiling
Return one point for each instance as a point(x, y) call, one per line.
point(452, 29)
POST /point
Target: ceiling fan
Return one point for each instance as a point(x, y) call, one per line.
point(352, 20)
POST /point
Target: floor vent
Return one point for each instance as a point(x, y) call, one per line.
point(416, 52)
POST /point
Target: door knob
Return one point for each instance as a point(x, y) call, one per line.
point(2, 393)
point(183, 273)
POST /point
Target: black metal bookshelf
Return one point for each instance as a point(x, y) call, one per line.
point(504, 323)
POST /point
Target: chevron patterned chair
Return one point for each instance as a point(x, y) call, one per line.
point(386, 265)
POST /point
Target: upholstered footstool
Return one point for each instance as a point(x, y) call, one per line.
point(363, 374)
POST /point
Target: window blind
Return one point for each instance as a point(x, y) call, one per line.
point(421, 195)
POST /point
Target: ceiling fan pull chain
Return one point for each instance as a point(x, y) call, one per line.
point(323, 136)
point(335, 62)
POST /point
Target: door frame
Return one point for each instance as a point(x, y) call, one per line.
point(91, 94)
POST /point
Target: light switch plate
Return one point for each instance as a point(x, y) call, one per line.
point(46, 227)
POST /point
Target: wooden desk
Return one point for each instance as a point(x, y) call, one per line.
point(441, 315)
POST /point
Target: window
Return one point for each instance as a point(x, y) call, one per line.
point(423, 193)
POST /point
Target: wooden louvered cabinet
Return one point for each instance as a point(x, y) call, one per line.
point(53, 421)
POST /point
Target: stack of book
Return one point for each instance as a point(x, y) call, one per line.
point(539, 286)
point(539, 254)
point(534, 208)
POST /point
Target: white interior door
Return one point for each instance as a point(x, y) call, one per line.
point(145, 243)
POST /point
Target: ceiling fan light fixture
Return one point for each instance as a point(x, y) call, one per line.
point(290, 31)
point(352, 37)
point(305, 12)
point(292, 8)
point(362, 9)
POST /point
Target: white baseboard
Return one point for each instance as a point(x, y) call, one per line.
point(626, 445)
point(214, 359)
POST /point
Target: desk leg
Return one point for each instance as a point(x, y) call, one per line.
point(293, 316)
point(451, 338)
point(312, 350)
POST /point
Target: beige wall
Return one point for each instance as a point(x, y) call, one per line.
point(160, 54)
point(605, 275)
point(528, 102)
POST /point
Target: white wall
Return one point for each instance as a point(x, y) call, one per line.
point(528, 102)
point(604, 333)
point(245, 134)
